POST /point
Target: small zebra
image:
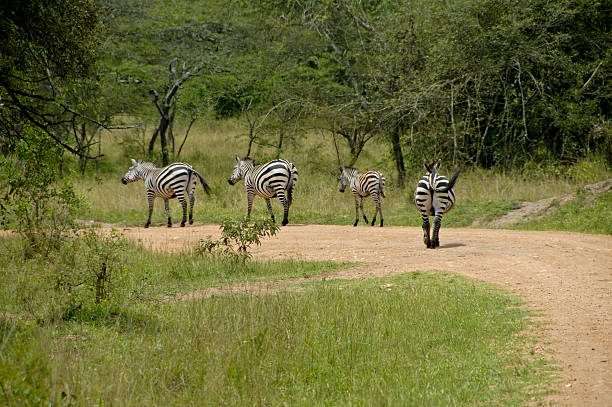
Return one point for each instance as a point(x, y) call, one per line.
point(274, 179)
point(173, 181)
point(369, 183)
point(434, 196)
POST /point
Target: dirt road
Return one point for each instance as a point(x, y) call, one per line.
point(567, 277)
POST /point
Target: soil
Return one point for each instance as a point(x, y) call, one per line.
point(565, 277)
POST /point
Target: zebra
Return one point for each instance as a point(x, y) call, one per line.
point(173, 181)
point(369, 183)
point(276, 178)
point(434, 196)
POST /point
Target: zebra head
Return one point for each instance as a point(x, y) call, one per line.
point(241, 168)
point(135, 172)
point(347, 175)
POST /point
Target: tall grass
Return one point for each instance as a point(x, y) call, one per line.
point(211, 149)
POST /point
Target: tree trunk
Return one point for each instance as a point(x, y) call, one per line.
point(152, 143)
point(171, 132)
point(84, 150)
point(279, 147)
point(163, 128)
point(193, 119)
point(398, 156)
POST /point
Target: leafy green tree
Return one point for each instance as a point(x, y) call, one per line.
point(44, 47)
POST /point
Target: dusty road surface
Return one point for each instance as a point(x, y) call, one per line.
point(567, 277)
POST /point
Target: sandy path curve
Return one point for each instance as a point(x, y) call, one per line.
point(567, 277)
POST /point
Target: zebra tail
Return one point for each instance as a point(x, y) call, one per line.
point(381, 185)
point(291, 183)
point(453, 179)
point(203, 182)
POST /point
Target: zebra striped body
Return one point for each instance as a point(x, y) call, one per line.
point(177, 180)
point(434, 196)
point(274, 179)
point(370, 183)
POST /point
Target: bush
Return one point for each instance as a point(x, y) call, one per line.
point(37, 202)
point(237, 237)
point(86, 272)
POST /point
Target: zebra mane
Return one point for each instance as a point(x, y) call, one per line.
point(250, 160)
point(350, 169)
point(147, 164)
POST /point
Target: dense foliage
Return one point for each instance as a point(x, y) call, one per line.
point(479, 82)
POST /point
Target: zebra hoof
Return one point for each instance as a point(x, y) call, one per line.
point(182, 224)
point(147, 225)
point(191, 221)
point(435, 243)
point(355, 223)
point(381, 223)
point(169, 225)
point(285, 222)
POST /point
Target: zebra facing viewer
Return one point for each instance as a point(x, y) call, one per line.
point(177, 180)
point(369, 183)
point(273, 179)
point(434, 196)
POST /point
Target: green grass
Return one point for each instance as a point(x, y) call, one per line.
point(415, 339)
point(481, 195)
point(141, 275)
point(584, 214)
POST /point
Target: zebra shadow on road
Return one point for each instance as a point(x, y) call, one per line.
point(450, 245)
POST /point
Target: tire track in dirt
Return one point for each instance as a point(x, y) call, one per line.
point(566, 277)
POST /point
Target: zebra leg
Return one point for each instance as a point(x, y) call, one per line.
point(375, 198)
point(191, 204)
point(356, 212)
point(269, 205)
point(183, 202)
point(249, 204)
point(167, 209)
point(150, 199)
point(379, 209)
point(283, 200)
point(435, 240)
point(365, 218)
point(426, 238)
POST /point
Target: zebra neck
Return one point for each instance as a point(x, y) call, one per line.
point(248, 172)
point(147, 172)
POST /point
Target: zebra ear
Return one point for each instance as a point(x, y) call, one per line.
point(437, 164)
point(237, 159)
point(426, 166)
point(133, 161)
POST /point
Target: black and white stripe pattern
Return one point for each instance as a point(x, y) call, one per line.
point(370, 183)
point(274, 179)
point(176, 180)
point(434, 196)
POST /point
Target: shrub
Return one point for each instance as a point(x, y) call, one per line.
point(37, 202)
point(237, 237)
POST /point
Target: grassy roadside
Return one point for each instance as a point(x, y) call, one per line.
point(585, 214)
point(414, 339)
